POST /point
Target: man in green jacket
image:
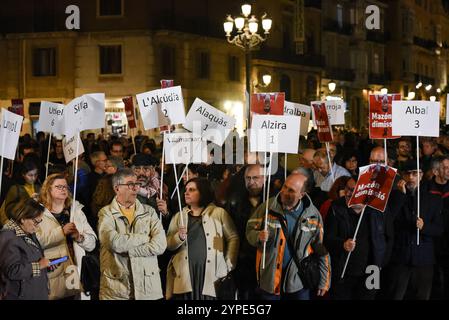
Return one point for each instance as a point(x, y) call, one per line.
point(294, 231)
point(131, 238)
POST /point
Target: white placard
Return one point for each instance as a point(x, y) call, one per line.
point(274, 134)
point(11, 124)
point(84, 113)
point(447, 109)
point(161, 107)
point(213, 124)
point(416, 118)
point(184, 147)
point(335, 111)
point(299, 110)
point(69, 147)
point(51, 117)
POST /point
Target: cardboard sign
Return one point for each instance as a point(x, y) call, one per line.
point(184, 147)
point(447, 109)
point(84, 113)
point(322, 122)
point(166, 84)
point(373, 186)
point(274, 134)
point(416, 118)
point(129, 111)
point(299, 110)
point(336, 112)
point(268, 103)
point(380, 115)
point(161, 107)
point(69, 148)
point(51, 117)
point(215, 125)
point(10, 127)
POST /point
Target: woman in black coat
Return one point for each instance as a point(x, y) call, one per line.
point(23, 274)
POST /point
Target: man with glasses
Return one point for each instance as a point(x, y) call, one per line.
point(240, 204)
point(131, 237)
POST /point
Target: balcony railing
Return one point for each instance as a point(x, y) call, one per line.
point(313, 4)
point(334, 26)
point(280, 55)
point(340, 74)
point(376, 36)
point(424, 43)
point(376, 78)
point(425, 80)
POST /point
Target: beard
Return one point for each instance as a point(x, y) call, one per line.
point(254, 192)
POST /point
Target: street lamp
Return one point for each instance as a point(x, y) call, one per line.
point(332, 86)
point(247, 38)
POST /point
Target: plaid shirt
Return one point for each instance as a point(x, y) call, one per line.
point(11, 225)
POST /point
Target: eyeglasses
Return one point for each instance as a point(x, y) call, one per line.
point(36, 222)
point(131, 185)
point(61, 187)
point(377, 161)
point(255, 178)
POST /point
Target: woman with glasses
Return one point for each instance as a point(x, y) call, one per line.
point(206, 244)
point(27, 187)
point(63, 233)
point(23, 267)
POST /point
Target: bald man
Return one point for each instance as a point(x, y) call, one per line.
point(306, 158)
point(295, 229)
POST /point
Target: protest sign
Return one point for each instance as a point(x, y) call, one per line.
point(84, 113)
point(274, 134)
point(322, 122)
point(130, 112)
point(416, 118)
point(69, 148)
point(215, 124)
point(11, 124)
point(299, 110)
point(380, 115)
point(373, 186)
point(268, 103)
point(184, 147)
point(51, 117)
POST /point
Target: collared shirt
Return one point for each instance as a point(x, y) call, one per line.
point(326, 182)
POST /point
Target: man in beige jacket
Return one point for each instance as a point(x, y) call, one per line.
point(131, 237)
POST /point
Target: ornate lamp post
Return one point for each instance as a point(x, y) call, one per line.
point(247, 38)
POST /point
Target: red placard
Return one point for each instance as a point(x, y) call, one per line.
point(166, 84)
point(322, 122)
point(129, 110)
point(373, 186)
point(268, 103)
point(17, 107)
point(380, 116)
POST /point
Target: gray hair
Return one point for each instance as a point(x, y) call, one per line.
point(121, 174)
point(116, 162)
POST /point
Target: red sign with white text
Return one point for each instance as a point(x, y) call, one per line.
point(268, 103)
point(380, 116)
point(322, 122)
point(129, 111)
point(373, 187)
point(166, 84)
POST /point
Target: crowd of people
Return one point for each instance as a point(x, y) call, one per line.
point(124, 234)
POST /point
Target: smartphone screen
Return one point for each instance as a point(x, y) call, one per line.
point(59, 260)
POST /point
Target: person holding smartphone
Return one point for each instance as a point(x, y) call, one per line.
point(64, 233)
point(23, 266)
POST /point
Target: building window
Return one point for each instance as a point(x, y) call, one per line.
point(168, 59)
point(285, 86)
point(203, 65)
point(311, 86)
point(376, 64)
point(44, 62)
point(108, 8)
point(340, 16)
point(111, 59)
point(234, 68)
